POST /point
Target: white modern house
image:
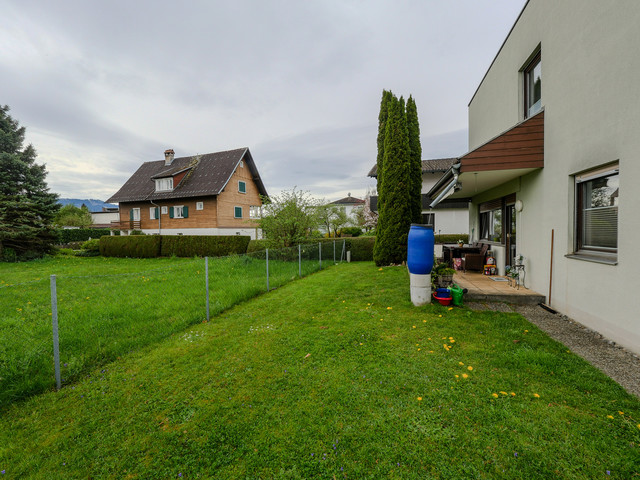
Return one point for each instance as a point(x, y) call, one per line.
point(554, 138)
point(450, 216)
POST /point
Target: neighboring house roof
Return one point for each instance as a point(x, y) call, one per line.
point(428, 166)
point(204, 175)
point(348, 200)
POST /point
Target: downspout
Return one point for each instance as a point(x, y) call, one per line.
point(159, 217)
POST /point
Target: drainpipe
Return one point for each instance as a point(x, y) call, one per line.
point(159, 216)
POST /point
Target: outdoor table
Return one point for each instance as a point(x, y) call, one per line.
point(454, 251)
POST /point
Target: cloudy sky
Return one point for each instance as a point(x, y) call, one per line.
point(103, 86)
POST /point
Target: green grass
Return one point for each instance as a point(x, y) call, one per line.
point(108, 307)
point(334, 376)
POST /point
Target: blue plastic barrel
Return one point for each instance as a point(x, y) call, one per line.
point(420, 249)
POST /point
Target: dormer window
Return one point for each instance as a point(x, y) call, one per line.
point(164, 184)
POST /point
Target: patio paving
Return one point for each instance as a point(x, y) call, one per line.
point(494, 288)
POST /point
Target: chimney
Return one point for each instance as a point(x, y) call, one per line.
point(168, 157)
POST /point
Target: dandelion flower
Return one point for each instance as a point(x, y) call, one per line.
point(452, 341)
point(610, 416)
point(639, 425)
point(450, 308)
point(469, 368)
point(457, 376)
point(440, 316)
point(424, 321)
point(494, 395)
point(513, 394)
point(419, 349)
point(361, 344)
point(380, 269)
point(429, 338)
point(464, 375)
point(389, 308)
point(621, 413)
point(414, 326)
point(419, 399)
point(504, 393)
point(536, 395)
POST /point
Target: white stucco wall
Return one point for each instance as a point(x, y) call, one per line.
point(590, 71)
point(448, 220)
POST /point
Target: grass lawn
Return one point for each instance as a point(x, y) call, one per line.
point(334, 376)
point(108, 307)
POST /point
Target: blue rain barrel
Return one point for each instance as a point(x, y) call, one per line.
point(420, 249)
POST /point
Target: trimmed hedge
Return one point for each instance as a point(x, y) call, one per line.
point(257, 246)
point(204, 245)
point(68, 235)
point(361, 248)
point(452, 238)
point(135, 246)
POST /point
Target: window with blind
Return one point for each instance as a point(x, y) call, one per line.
point(597, 210)
point(491, 220)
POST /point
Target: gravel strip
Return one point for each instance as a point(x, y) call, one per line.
point(615, 361)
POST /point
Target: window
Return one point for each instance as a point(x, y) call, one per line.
point(597, 211)
point(491, 220)
point(429, 219)
point(134, 214)
point(533, 87)
point(164, 184)
point(164, 210)
point(179, 211)
point(241, 164)
point(242, 186)
point(237, 212)
point(153, 213)
point(199, 205)
point(255, 212)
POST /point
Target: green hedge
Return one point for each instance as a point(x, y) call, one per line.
point(257, 246)
point(361, 248)
point(452, 238)
point(135, 246)
point(204, 245)
point(68, 235)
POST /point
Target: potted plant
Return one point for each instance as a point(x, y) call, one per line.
point(442, 275)
point(460, 242)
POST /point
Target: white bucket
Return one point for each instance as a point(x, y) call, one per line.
point(420, 289)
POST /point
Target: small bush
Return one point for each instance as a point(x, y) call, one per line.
point(92, 245)
point(452, 238)
point(137, 232)
point(66, 252)
point(361, 248)
point(257, 246)
point(204, 245)
point(353, 231)
point(134, 246)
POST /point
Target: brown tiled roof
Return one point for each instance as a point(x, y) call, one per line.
point(208, 175)
point(428, 166)
point(348, 201)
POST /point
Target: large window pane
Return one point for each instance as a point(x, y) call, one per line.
point(599, 213)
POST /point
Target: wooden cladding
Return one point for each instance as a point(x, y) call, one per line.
point(520, 147)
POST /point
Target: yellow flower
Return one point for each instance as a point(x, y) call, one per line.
point(504, 393)
point(536, 395)
point(424, 321)
point(639, 425)
point(469, 368)
point(495, 395)
point(450, 308)
point(389, 308)
point(380, 269)
point(464, 375)
point(457, 376)
point(419, 399)
point(513, 394)
point(360, 344)
point(429, 338)
point(440, 316)
point(610, 416)
point(460, 363)
point(452, 341)
point(526, 331)
point(414, 326)
point(419, 349)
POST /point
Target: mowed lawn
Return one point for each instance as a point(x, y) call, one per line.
point(337, 376)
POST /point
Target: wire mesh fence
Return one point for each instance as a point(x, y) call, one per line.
point(101, 316)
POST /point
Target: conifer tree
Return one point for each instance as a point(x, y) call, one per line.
point(415, 192)
point(395, 211)
point(387, 97)
point(26, 206)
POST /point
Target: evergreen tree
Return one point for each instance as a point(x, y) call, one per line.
point(395, 211)
point(415, 192)
point(387, 98)
point(26, 206)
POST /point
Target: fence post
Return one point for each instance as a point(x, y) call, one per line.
point(344, 247)
point(334, 252)
point(300, 260)
point(320, 254)
point(54, 320)
point(206, 274)
point(267, 255)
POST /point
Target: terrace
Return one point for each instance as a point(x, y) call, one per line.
point(495, 288)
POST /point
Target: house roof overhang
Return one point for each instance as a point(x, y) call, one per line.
point(516, 152)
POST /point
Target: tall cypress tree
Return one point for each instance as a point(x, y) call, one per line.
point(415, 169)
point(26, 206)
point(395, 211)
point(387, 97)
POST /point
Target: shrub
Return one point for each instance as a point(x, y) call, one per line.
point(204, 245)
point(68, 235)
point(66, 252)
point(90, 248)
point(361, 248)
point(257, 246)
point(135, 246)
point(353, 231)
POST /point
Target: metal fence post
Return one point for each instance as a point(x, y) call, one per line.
point(300, 260)
point(320, 254)
point(267, 256)
point(206, 275)
point(54, 320)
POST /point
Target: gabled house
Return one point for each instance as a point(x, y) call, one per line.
point(447, 217)
point(553, 166)
point(211, 194)
point(349, 204)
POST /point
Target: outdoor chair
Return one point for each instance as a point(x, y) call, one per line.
point(475, 261)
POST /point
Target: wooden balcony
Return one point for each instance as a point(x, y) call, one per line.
point(125, 225)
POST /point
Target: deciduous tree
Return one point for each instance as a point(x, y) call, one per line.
point(288, 218)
